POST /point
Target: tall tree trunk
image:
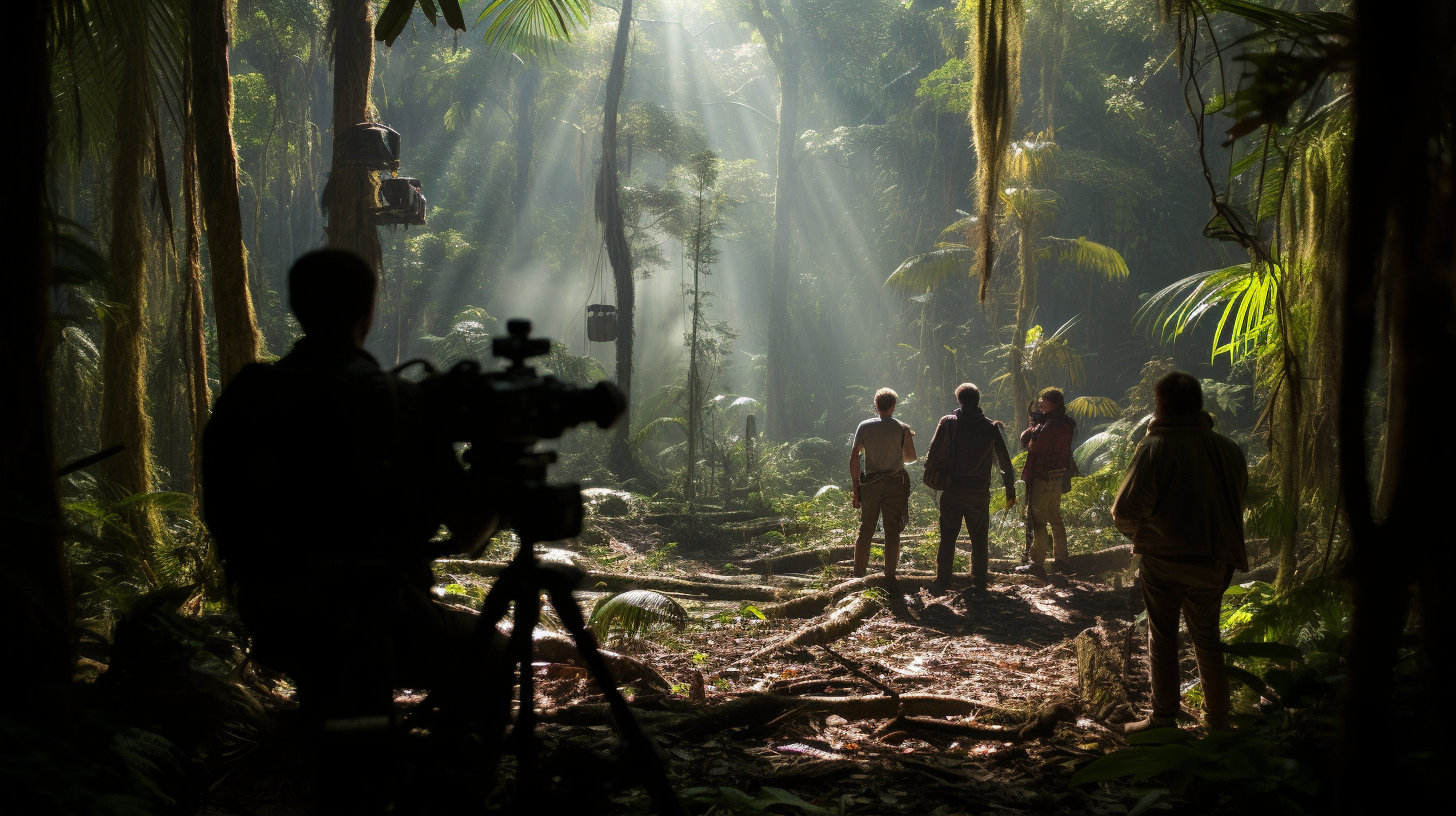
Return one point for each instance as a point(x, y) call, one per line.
point(217, 170)
point(34, 600)
point(124, 418)
point(529, 81)
point(609, 213)
point(1402, 205)
point(353, 193)
point(198, 392)
point(1025, 308)
point(780, 393)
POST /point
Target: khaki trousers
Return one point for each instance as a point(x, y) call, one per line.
point(886, 496)
point(1045, 510)
point(1196, 591)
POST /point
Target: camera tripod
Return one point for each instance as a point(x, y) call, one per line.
point(521, 584)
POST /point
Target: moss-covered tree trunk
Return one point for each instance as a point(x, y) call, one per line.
point(1025, 308)
point(124, 418)
point(217, 171)
point(353, 193)
point(198, 392)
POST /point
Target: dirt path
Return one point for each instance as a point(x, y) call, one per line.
point(1001, 656)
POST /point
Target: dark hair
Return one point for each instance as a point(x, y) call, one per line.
point(329, 290)
point(885, 399)
point(1179, 393)
point(1055, 395)
point(968, 395)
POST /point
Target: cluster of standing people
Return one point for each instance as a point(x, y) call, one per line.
point(1180, 503)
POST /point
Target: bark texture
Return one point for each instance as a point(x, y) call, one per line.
point(217, 171)
point(353, 193)
point(609, 214)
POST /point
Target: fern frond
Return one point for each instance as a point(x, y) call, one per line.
point(634, 612)
point(932, 269)
point(656, 427)
point(1033, 161)
point(958, 232)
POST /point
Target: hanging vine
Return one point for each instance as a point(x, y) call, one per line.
point(995, 47)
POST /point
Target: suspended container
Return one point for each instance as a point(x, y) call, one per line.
point(601, 323)
point(404, 202)
point(368, 146)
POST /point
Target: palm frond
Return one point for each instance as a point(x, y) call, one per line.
point(1029, 204)
point(1091, 407)
point(634, 612)
point(1033, 161)
point(1086, 254)
point(532, 26)
point(1245, 294)
point(960, 230)
point(932, 269)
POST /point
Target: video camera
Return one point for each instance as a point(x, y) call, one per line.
point(1033, 412)
point(502, 415)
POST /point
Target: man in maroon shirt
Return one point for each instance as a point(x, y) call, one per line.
point(1048, 440)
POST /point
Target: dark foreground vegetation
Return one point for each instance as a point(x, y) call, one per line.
point(851, 194)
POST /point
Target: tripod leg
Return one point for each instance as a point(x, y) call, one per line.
point(647, 755)
point(528, 613)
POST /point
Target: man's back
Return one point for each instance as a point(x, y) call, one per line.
point(317, 469)
point(883, 439)
point(1184, 491)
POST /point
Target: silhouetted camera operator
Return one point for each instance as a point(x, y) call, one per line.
point(326, 487)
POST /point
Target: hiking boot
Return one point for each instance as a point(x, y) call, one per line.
point(1216, 722)
point(1148, 724)
point(1032, 569)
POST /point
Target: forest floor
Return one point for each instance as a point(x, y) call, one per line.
point(959, 702)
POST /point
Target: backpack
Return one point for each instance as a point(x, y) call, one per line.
point(937, 475)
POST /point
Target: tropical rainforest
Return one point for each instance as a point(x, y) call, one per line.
point(750, 215)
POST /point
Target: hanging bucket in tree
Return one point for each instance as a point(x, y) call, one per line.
point(368, 146)
point(601, 323)
point(404, 202)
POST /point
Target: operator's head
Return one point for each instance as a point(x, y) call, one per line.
point(1177, 393)
point(885, 400)
point(331, 292)
point(1052, 399)
point(968, 395)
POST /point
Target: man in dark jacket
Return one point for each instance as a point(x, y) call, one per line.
point(1182, 504)
point(969, 440)
point(1048, 440)
point(326, 491)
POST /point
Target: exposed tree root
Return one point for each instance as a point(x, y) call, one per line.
point(1040, 725)
point(845, 618)
point(814, 603)
point(552, 647)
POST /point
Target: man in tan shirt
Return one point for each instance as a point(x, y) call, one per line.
point(882, 487)
point(1182, 504)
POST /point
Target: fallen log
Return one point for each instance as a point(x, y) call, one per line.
point(621, 582)
point(552, 647)
point(1042, 724)
point(755, 709)
point(798, 561)
point(845, 618)
point(1112, 559)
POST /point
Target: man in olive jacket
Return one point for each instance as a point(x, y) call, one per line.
point(1182, 504)
point(973, 443)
